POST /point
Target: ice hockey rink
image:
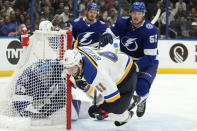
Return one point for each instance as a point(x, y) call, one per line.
point(172, 106)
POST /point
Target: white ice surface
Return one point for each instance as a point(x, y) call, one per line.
point(171, 106)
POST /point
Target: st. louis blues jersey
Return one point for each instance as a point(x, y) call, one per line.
point(140, 43)
point(104, 70)
point(87, 34)
point(39, 98)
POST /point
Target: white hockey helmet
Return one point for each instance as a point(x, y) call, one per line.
point(45, 25)
point(71, 58)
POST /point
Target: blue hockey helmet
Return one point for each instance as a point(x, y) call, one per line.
point(138, 6)
point(43, 68)
point(92, 6)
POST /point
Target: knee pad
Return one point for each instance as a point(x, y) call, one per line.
point(142, 87)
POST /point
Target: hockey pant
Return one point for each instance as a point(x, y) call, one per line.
point(126, 89)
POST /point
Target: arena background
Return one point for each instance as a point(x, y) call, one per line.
point(177, 39)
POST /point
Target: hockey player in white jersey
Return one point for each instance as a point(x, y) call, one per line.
point(112, 75)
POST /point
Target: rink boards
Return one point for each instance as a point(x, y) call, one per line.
point(175, 56)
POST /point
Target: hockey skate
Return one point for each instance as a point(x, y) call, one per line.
point(136, 100)
point(118, 123)
point(141, 107)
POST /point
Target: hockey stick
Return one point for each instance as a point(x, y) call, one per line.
point(154, 20)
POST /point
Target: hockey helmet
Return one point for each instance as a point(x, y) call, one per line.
point(92, 6)
point(71, 58)
point(138, 6)
point(43, 67)
point(45, 26)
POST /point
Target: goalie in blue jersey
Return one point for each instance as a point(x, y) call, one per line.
point(40, 92)
point(138, 39)
point(87, 30)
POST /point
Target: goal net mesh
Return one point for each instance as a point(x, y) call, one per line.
point(37, 94)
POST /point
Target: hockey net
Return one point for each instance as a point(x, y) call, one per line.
point(39, 94)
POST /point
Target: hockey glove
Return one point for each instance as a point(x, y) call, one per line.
point(106, 38)
point(81, 84)
point(96, 112)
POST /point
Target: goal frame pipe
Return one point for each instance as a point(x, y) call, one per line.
point(68, 92)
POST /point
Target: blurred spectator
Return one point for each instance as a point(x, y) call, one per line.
point(47, 4)
point(7, 26)
point(180, 13)
point(18, 31)
point(17, 14)
point(103, 10)
point(150, 16)
point(151, 10)
point(36, 11)
point(22, 5)
point(3, 29)
point(192, 15)
point(181, 3)
point(124, 13)
point(36, 26)
point(56, 21)
point(60, 8)
point(191, 4)
point(82, 6)
point(22, 19)
point(183, 27)
point(8, 7)
point(112, 15)
point(47, 14)
point(28, 23)
point(13, 18)
point(116, 4)
point(65, 14)
point(171, 15)
point(193, 32)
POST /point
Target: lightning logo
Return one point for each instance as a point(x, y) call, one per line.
point(85, 37)
point(128, 43)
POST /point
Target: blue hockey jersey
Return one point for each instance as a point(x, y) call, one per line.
point(140, 43)
point(87, 34)
point(36, 98)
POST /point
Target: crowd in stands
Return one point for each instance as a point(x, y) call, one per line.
point(182, 17)
point(14, 14)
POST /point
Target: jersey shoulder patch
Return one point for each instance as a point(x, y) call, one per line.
point(76, 20)
point(125, 17)
point(102, 22)
point(149, 26)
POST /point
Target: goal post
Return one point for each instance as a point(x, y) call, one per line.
point(39, 93)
